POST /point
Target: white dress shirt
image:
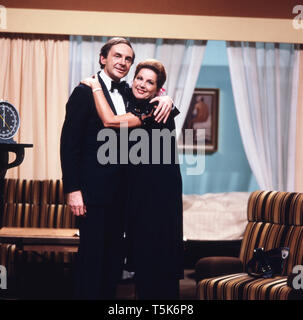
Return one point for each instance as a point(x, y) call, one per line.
point(115, 95)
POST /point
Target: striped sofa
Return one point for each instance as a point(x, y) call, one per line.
point(274, 220)
point(37, 204)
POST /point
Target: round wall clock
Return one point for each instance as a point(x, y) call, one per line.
point(9, 120)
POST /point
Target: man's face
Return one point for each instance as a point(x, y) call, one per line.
point(118, 61)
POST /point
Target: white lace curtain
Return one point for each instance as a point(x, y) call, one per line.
point(182, 60)
point(265, 86)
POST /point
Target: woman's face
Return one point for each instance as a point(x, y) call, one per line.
point(145, 84)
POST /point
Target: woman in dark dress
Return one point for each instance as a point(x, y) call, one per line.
point(154, 224)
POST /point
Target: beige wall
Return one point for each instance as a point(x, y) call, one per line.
point(49, 21)
point(231, 8)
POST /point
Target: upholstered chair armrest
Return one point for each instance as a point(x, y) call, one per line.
point(215, 266)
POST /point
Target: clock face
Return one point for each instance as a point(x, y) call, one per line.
point(9, 120)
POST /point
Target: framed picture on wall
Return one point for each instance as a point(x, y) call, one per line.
point(203, 113)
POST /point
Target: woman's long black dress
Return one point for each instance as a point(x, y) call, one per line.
point(155, 221)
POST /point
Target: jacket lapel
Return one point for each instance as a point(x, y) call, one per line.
point(126, 96)
point(106, 94)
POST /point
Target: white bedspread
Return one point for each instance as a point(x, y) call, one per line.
point(215, 216)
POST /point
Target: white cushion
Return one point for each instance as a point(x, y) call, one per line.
point(215, 216)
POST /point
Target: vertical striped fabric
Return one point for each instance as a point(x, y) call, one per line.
point(36, 204)
point(274, 220)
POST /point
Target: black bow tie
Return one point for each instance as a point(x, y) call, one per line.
point(118, 85)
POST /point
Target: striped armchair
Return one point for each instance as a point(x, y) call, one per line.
point(36, 204)
point(274, 220)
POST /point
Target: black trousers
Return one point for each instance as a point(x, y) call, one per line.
point(153, 280)
point(101, 253)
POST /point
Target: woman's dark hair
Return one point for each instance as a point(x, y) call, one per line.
point(110, 43)
point(155, 66)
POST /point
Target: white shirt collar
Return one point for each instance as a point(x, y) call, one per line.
point(116, 97)
point(107, 80)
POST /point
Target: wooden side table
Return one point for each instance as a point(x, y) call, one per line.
point(45, 279)
point(41, 239)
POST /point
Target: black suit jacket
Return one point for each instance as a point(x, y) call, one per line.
point(100, 184)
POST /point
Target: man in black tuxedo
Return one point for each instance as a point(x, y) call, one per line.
point(97, 193)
